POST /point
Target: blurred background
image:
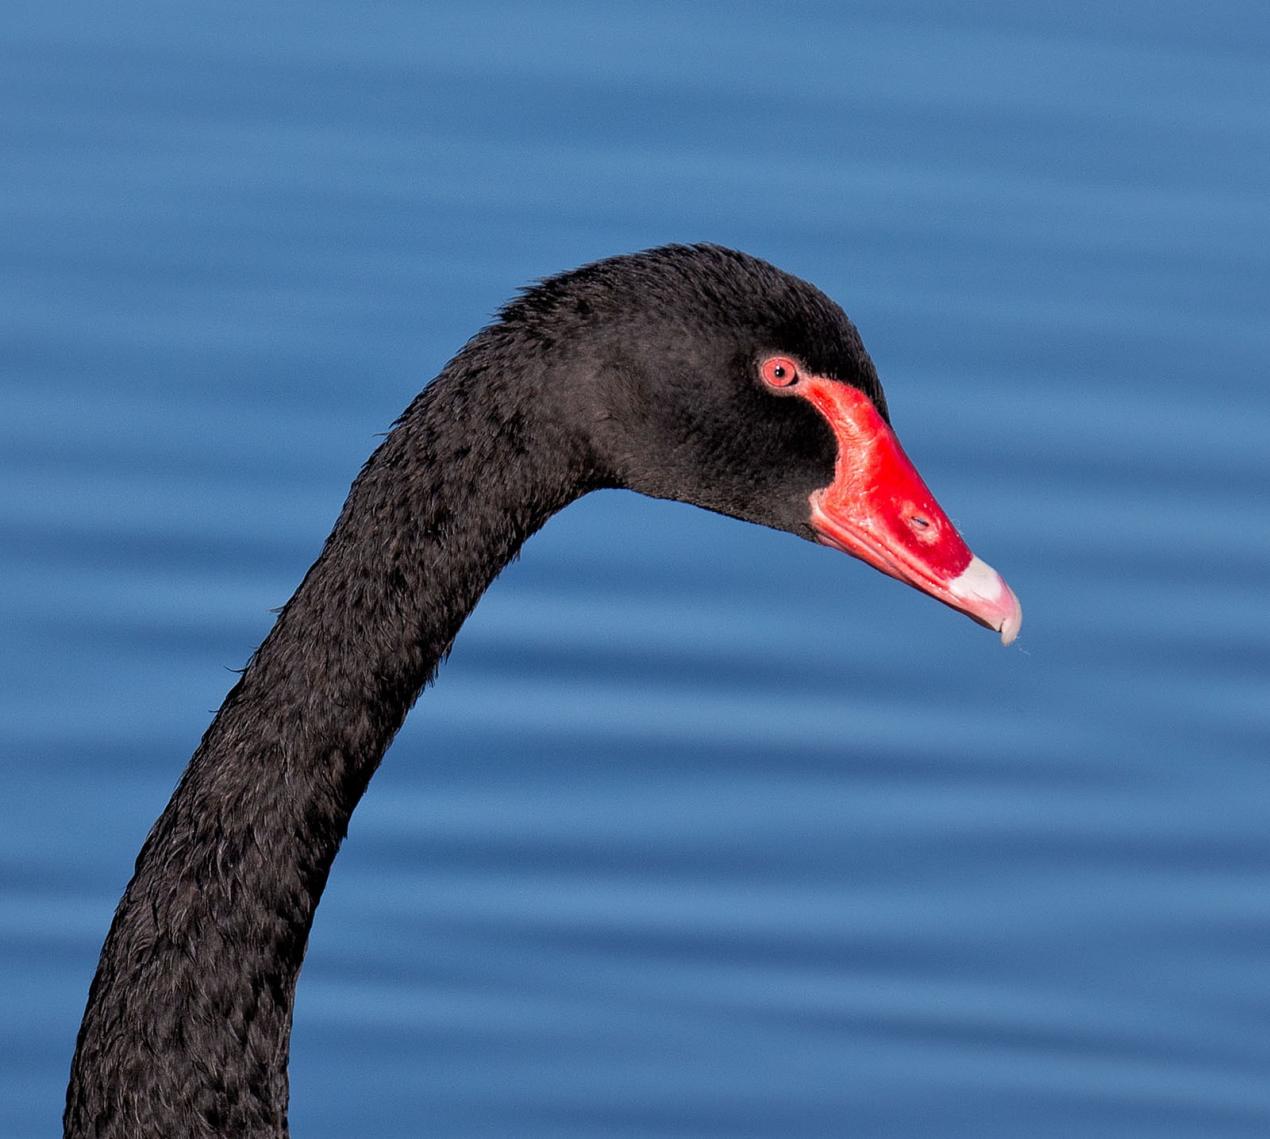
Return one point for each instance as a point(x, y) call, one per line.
point(703, 830)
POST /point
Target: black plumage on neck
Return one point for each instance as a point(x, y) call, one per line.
point(189, 1016)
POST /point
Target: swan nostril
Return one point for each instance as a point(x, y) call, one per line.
point(925, 529)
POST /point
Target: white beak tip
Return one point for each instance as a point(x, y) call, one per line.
point(983, 593)
point(1012, 624)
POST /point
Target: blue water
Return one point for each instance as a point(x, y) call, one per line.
point(703, 830)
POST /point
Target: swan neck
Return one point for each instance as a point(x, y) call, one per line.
point(189, 1015)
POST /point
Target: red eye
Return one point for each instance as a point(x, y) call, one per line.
point(779, 371)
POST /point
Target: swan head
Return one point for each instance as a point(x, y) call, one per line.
point(704, 375)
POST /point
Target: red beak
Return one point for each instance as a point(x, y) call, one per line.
point(878, 509)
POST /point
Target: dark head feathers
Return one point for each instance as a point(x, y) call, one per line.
point(710, 289)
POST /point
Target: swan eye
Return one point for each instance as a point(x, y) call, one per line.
point(779, 371)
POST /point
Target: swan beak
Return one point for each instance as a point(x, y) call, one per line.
point(878, 509)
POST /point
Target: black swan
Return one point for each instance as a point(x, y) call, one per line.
point(693, 373)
